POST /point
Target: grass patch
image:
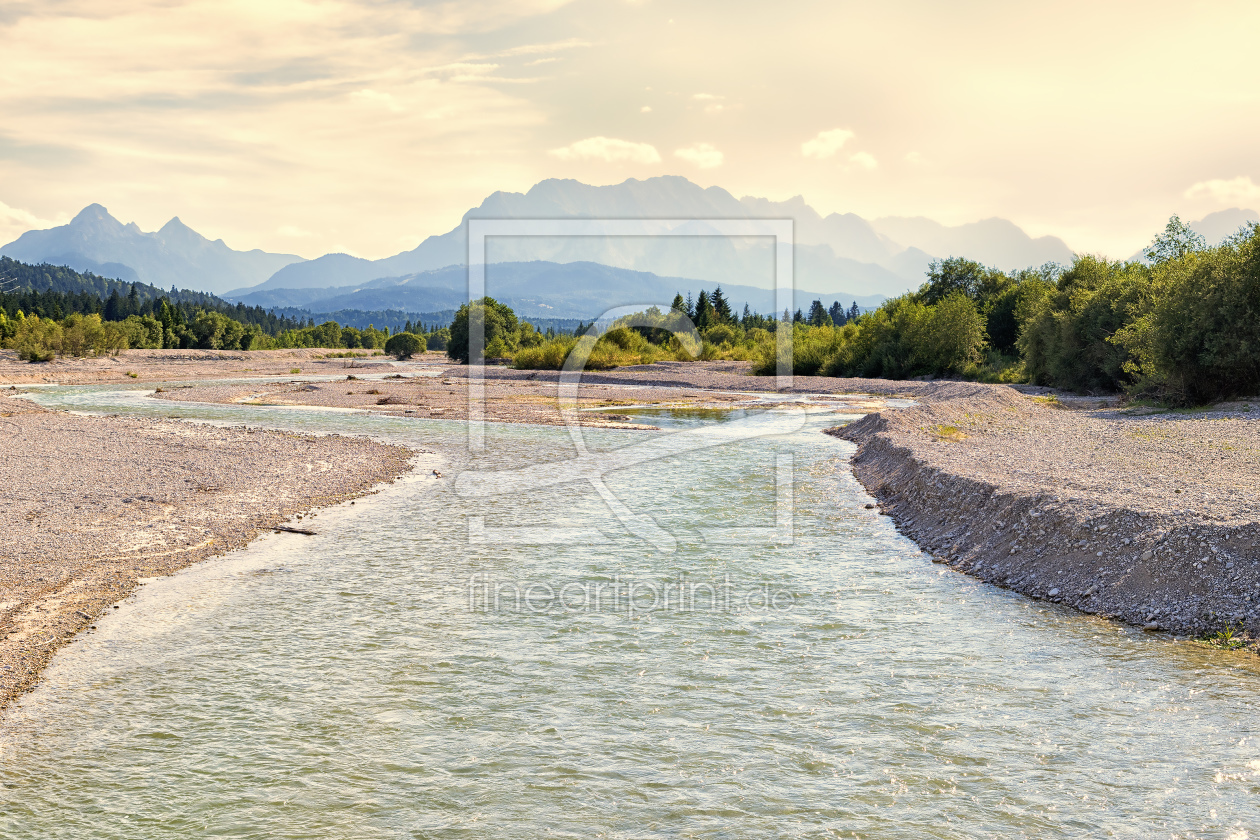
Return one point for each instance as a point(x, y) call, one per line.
point(952, 434)
point(1227, 638)
point(1050, 400)
point(295, 370)
point(133, 375)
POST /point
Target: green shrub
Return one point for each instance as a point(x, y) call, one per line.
point(403, 345)
point(37, 339)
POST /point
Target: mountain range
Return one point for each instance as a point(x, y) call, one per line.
point(535, 289)
point(176, 255)
point(838, 256)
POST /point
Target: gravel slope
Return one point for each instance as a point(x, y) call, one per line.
point(1152, 519)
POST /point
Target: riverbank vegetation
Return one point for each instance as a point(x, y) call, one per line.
point(1181, 326)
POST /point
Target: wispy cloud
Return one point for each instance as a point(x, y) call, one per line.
point(826, 144)
point(376, 98)
point(14, 222)
point(865, 160)
point(1224, 191)
point(702, 155)
point(609, 150)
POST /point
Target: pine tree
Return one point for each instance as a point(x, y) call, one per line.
point(112, 307)
point(747, 316)
point(854, 312)
point(704, 317)
point(798, 318)
point(836, 311)
point(690, 311)
point(721, 308)
point(679, 305)
point(818, 316)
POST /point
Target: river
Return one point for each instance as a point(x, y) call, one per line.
point(772, 660)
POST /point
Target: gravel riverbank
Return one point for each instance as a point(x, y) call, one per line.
point(93, 505)
point(1152, 519)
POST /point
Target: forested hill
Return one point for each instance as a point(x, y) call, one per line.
point(57, 291)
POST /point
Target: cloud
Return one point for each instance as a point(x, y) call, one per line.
point(713, 102)
point(608, 149)
point(646, 109)
point(294, 231)
point(375, 97)
point(826, 144)
point(14, 222)
point(915, 158)
point(866, 160)
point(702, 155)
point(1241, 188)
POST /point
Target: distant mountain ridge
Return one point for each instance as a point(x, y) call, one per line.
point(175, 255)
point(839, 253)
point(534, 289)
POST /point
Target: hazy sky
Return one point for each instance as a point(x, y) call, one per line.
point(365, 125)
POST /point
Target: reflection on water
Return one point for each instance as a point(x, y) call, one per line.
point(349, 685)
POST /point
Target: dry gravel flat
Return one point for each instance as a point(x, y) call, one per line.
point(174, 365)
point(92, 504)
point(446, 398)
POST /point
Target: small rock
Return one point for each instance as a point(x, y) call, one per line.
point(870, 507)
point(1053, 592)
point(1152, 625)
point(1147, 555)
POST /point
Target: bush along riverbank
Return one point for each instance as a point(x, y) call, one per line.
point(1136, 518)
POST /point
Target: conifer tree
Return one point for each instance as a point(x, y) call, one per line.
point(818, 316)
point(721, 308)
point(704, 317)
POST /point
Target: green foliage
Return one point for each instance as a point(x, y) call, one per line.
point(1175, 242)
point(329, 334)
point(439, 339)
point(37, 339)
point(403, 345)
point(1194, 335)
point(500, 327)
point(901, 339)
point(1067, 339)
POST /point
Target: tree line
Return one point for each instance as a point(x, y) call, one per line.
point(1181, 325)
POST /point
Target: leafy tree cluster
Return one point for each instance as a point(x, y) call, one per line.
point(504, 334)
point(1182, 326)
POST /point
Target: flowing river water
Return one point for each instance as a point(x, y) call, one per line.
point(424, 668)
